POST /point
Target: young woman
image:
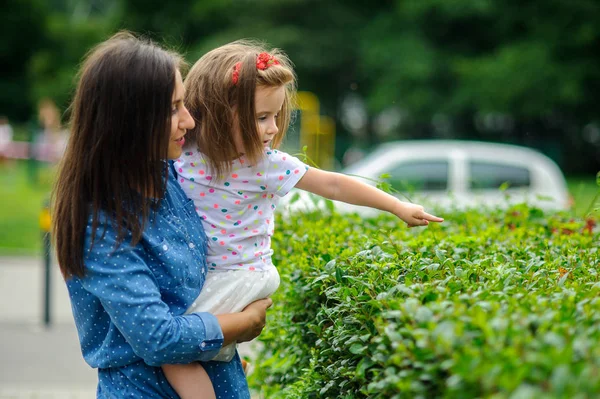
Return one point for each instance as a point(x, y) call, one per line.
point(129, 243)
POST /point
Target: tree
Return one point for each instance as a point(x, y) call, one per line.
point(21, 30)
point(43, 43)
point(518, 71)
point(528, 67)
point(534, 62)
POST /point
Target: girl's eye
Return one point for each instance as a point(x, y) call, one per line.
point(262, 118)
point(174, 111)
point(276, 116)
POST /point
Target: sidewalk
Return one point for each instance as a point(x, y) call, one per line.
point(37, 361)
point(43, 363)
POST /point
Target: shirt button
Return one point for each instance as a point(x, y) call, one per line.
point(191, 245)
point(203, 344)
point(165, 247)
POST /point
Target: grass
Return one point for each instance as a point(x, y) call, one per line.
point(23, 199)
point(583, 189)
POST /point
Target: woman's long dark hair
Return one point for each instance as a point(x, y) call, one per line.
point(114, 161)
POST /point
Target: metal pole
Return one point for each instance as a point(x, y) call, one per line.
point(47, 285)
point(47, 248)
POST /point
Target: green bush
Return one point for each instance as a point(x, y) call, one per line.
point(501, 304)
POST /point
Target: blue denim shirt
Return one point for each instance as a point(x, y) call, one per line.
point(129, 308)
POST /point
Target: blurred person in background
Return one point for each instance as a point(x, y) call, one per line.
point(129, 243)
point(50, 143)
point(6, 136)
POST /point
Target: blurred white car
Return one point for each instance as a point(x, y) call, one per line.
point(454, 174)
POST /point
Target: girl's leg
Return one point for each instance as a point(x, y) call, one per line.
point(190, 381)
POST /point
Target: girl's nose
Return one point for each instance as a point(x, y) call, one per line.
point(273, 129)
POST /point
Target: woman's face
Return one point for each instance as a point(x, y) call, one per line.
point(181, 120)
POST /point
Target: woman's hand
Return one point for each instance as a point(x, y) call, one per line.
point(257, 316)
point(414, 215)
point(245, 325)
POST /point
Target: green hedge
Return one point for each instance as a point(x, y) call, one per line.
point(502, 304)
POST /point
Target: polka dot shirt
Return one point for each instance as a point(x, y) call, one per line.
point(129, 308)
point(238, 209)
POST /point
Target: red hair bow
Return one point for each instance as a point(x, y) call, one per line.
point(263, 61)
point(236, 73)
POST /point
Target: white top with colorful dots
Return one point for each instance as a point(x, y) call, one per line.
point(238, 211)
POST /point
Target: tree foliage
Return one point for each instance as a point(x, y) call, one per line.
point(22, 36)
point(450, 68)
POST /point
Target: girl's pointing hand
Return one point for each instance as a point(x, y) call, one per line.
point(415, 215)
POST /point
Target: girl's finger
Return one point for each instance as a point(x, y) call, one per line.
point(432, 218)
point(418, 222)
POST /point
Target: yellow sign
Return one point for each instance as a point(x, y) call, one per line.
point(307, 101)
point(45, 220)
point(317, 132)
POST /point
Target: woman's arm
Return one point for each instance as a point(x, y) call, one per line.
point(339, 187)
point(129, 293)
point(130, 296)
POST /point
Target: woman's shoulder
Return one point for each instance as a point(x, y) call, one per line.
point(101, 231)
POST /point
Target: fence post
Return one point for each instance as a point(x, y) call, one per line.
point(47, 248)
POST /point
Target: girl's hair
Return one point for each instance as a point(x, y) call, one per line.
point(217, 101)
point(115, 159)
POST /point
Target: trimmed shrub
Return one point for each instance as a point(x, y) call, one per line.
point(501, 304)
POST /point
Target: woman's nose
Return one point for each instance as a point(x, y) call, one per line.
point(186, 122)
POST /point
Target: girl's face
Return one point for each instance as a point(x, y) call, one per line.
point(268, 103)
point(181, 120)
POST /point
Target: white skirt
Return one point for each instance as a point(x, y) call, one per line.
point(230, 291)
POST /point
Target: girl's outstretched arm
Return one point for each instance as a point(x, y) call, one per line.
point(339, 187)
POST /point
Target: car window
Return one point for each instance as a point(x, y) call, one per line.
point(489, 175)
point(422, 175)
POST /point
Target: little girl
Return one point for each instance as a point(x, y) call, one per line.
point(240, 97)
